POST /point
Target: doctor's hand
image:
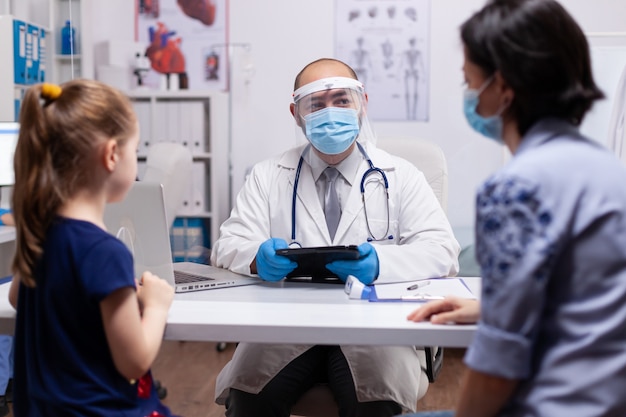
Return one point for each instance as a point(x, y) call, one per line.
point(269, 265)
point(365, 269)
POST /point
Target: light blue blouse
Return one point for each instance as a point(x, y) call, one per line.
point(551, 243)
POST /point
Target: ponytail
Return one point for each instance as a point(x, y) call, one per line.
point(35, 197)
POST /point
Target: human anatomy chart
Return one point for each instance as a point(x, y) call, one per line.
point(186, 38)
point(387, 43)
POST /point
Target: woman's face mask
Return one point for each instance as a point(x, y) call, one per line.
point(332, 130)
point(490, 126)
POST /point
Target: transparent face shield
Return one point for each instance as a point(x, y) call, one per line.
point(343, 93)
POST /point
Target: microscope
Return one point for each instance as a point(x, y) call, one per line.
point(142, 66)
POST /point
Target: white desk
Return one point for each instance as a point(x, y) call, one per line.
point(7, 234)
point(294, 313)
point(7, 249)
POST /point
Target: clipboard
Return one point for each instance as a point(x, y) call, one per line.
point(437, 289)
point(312, 262)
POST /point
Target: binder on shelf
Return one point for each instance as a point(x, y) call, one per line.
point(177, 240)
point(142, 110)
point(188, 239)
point(42, 55)
point(186, 125)
point(33, 71)
point(197, 119)
point(161, 129)
point(186, 207)
point(198, 181)
point(173, 121)
point(18, 96)
point(28, 63)
point(19, 51)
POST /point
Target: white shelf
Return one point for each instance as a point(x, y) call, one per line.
point(198, 120)
point(78, 12)
point(62, 57)
point(199, 215)
point(141, 157)
point(148, 94)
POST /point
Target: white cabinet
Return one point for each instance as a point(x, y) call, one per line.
point(199, 121)
point(79, 63)
point(7, 249)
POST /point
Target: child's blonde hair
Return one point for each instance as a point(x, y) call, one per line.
point(61, 129)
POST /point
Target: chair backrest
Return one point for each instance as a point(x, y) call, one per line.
point(428, 157)
point(170, 164)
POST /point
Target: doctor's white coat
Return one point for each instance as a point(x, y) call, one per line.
point(423, 245)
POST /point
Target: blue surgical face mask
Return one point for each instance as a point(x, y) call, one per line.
point(490, 126)
point(332, 130)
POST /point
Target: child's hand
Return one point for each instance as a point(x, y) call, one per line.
point(154, 292)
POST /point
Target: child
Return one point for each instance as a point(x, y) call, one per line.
point(86, 333)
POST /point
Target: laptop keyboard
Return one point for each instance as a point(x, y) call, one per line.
point(181, 277)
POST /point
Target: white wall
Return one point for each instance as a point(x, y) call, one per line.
point(34, 11)
point(289, 34)
point(284, 35)
point(303, 31)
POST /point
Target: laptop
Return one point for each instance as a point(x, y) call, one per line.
point(140, 222)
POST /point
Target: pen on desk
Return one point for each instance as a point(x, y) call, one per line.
point(418, 285)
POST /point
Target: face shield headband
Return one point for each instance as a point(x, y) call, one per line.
point(340, 93)
point(328, 84)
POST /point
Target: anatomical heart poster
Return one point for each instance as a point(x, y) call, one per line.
point(185, 43)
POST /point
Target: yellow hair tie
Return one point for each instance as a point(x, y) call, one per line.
point(50, 91)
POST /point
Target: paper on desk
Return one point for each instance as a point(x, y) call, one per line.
point(437, 288)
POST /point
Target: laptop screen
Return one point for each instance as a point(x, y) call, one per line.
point(9, 132)
point(139, 221)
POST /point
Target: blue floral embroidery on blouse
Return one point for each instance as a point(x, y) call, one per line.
point(509, 218)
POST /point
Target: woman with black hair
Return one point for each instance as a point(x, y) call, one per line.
point(550, 226)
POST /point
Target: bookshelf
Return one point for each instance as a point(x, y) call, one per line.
point(199, 121)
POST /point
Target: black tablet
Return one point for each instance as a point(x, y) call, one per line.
point(312, 262)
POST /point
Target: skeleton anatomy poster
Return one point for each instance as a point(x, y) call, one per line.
point(186, 38)
point(387, 43)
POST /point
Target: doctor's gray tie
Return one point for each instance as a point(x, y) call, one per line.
point(332, 209)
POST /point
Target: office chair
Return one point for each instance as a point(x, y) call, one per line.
point(169, 164)
point(430, 159)
point(427, 157)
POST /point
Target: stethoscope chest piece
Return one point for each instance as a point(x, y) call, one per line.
point(371, 171)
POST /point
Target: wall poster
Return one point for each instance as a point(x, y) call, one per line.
point(387, 43)
point(187, 38)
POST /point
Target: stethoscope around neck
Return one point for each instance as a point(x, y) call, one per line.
point(372, 170)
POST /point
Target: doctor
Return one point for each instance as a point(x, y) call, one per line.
point(285, 201)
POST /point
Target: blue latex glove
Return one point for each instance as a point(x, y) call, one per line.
point(365, 269)
point(272, 267)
